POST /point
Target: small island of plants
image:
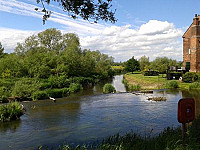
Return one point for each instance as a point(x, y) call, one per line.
point(10, 111)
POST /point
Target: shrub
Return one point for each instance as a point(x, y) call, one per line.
point(39, 95)
point(66, 91)
point(190, 77)
point(171, 84)
point(11, 111)
point(58, 82)
point(45, 85)
point(3, 99)
point(8, 83)
point(4, 94)
point(75, 87)
point(56, 93)
point(82, 80)
point(108, 88)
point(194, 85)
point(136, 87)
point(25, 87)
point(151, 73)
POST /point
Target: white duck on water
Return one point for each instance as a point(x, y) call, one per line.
point(54, 100)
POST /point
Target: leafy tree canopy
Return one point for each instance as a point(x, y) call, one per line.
point(144, 62)
point(132, 65)
point(51, 53)
point(92, 10)
point(161, 64)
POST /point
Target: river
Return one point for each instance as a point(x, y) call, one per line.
point(90, 115)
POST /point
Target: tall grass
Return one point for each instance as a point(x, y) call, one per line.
point(135, 87)
point(11, 111)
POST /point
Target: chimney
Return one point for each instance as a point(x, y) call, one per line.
point(195, 20)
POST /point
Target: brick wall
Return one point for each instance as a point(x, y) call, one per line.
point(191, 46)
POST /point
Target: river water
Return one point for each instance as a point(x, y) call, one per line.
point(90, 116)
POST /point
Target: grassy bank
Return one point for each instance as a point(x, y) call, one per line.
point(150, 82)
point(146, 82)
point(169, 139)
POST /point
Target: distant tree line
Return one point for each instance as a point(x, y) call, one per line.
point(160, 64)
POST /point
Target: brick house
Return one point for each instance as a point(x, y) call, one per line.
point(191, 46)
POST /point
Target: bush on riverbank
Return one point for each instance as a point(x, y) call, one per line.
point(11, 111)
point(194, 85)
point(39, 95)
point(190, 77)
point(108, 88)
point(75, 87)
point(25, 87)
point(171, 85)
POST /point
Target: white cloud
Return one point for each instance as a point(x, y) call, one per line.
point(10, 37)
point(155, 27)
point(154, 38)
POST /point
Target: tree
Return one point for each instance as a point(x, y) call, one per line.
point(144, 62)
point(132, 65)
point(86, 9)
point(50, 40)
point(161, 64)
point(1, 50)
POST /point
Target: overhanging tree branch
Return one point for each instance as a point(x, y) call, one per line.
point(91, 10)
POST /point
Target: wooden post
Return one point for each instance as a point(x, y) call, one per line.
point(183, 132)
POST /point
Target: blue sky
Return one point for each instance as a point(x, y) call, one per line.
point(152, 28)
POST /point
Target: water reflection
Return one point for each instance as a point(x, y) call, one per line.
point(10, 127)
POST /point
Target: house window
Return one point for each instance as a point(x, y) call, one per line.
point(189, 51)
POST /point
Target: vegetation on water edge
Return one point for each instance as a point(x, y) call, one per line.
point(10, 111)
point(136, 87)
point(108, 88)
point(190, 77)
point(195, 85)
point(157, 82)
point(171, 84)
point(169, 139)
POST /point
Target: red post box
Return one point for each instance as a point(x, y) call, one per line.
point(186, 110)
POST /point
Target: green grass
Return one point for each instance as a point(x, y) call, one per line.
point(146, 82)
point(150, 82)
